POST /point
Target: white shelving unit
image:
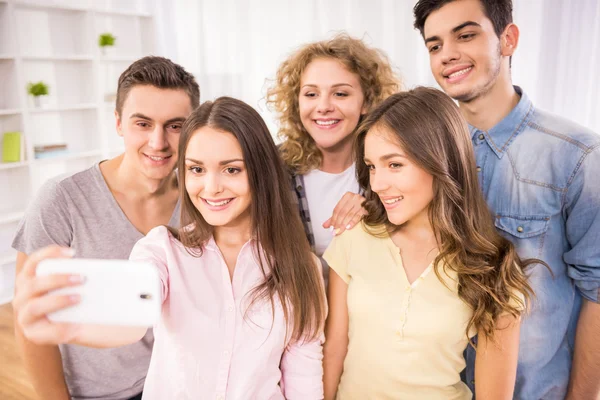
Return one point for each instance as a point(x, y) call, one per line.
point(55, 41)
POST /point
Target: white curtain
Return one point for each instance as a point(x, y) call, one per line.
point(234, 46)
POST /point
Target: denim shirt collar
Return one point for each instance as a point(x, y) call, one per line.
point(502, 134)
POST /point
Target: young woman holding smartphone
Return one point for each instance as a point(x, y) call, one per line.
point(243, 303)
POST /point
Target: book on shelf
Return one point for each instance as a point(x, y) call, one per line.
point(13, 147)
point(50, 150)
point(49, 147)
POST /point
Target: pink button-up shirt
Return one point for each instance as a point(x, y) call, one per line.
point(205, 346)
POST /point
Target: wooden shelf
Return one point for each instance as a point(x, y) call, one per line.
point(59, 58)
point(108, 59)
point(67, 157)
point(13, 165)
point(125, 13)
point(57, 7)
point(7, 260)
point(11, 217)
point(76, 107)
point(10, 111)
point(41, 5)
point(7, 57)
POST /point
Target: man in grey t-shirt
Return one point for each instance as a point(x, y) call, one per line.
point(101, 213)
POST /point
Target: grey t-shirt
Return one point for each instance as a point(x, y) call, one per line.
point(80, 212)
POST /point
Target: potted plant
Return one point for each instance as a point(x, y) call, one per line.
point(106, 40)
point(37, 90)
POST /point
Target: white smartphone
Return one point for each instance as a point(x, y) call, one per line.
point(115, 292)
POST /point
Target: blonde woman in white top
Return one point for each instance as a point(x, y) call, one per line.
point(321, 93)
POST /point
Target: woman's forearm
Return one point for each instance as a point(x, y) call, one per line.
point(496, 361)
point(333, 365)
point(108, 336)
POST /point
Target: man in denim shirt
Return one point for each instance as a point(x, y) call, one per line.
point(541, 177)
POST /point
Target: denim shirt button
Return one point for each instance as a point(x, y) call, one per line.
point(481, 136)
point(519, 229)
point(478, 169)
point(299, 187)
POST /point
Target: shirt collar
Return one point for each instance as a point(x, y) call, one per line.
point(212, 245)
point(502, 134)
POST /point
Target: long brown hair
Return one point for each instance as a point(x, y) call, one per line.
point(377, 81)
point(430, 129)
point(290, 270)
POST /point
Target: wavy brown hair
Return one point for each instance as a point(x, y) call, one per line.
point(377, 81)
point(288, 266)
point(429, 127)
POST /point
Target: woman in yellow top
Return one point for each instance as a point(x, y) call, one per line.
point(426, 270)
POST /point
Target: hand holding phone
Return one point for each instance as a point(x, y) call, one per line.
point(41, 300)
point(113, 292)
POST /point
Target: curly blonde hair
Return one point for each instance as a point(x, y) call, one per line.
point(377, 80)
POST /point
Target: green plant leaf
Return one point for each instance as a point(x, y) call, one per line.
point(37, 88)
point(106, 39)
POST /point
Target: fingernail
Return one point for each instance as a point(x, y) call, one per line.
point(76, 278)
point(337, 231)
point(349, 226)
point(69, 252)
point(331, 228)
point(74, 298)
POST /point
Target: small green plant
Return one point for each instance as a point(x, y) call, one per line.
point(106, 39)
point(37, 89)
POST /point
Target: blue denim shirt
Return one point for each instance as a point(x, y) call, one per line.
point(540, 175)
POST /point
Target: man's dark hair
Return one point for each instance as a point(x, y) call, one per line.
point(497, 11)
point(159, 72)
